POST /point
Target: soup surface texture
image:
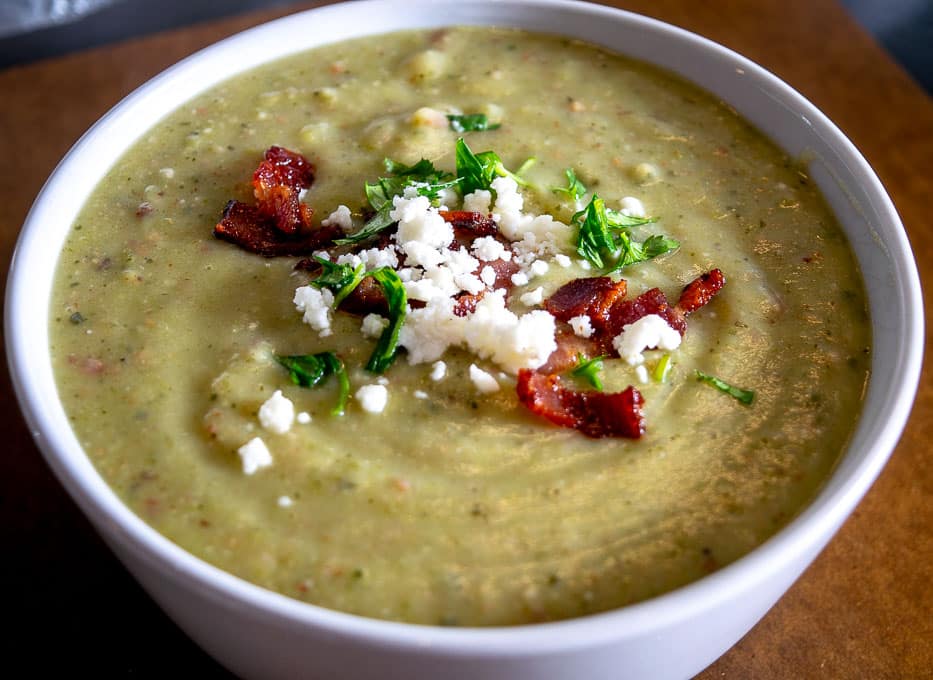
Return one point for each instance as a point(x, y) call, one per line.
point(437, 497)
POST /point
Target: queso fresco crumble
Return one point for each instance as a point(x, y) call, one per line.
point(419, 376)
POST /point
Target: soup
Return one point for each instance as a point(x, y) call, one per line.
point(438, 496)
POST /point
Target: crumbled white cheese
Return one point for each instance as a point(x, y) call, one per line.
point(584, 264)
point(373, 324)
point(285, 502)
point(519, 279)
point(478, 201)
point(488, 275)
point(303, 418)
point(316, 305)
point(374, 258)
point(420, 394)
point(339, 218)
point(351, 259)
point(277, 413)
point(546, 232)
point(535, 297)
point(382, 380)
point(372, 398)
point(483, 381)
point(562, 260)
point(487, 249)
point(539, 267)
point(491, 331)
point(438, 371)
point(255, 455)
point(494, 332)
point(642, 373)
point(419, 223)
point(650, 331)
point(582, 325)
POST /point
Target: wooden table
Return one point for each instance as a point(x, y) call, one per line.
point(863, 610)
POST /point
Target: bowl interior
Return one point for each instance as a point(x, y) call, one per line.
point(850, 186)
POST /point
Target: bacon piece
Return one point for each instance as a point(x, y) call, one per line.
point(277, 185)
point(279, 223)
point(700, 291)
point(470, 225)
point(595, 414)
point(466, 302)
point(652, 301)
point(593, 297)
point(367, 298)
point(243, 225)
point(570, 347)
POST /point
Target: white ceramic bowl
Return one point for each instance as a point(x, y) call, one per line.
point(257, 633)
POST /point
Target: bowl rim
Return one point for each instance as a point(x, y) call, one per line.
point(813, 526)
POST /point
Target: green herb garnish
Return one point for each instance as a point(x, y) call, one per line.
point(471, 122)
point(310, 370)
point(605, 240)
point(662, 369)
point(394, 290)
point(340, 279)
point(423, 175)
point(477, 171)
point(744, 396)
point(575, 189)
point(589, 369)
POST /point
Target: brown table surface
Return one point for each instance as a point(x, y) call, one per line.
point(864, 609)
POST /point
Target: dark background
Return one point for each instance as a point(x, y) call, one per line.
point(903, 27)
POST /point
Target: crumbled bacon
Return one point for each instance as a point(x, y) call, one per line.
point(243, 225)
point(470, 225)
point(603, 302)
point(592, 297)
point(570, 347)
point(595, 414)
point(277, 185)
point(700, 291)
point(279, 223)
point(367, 298)
point(653, 301)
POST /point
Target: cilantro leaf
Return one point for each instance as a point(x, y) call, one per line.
point(619, 220)
point(594, 237)
point(478, 170)
point(387, 345)
point(662, 369)
point(471, 122)
point(589, 369)
point(424, 176)
point(604, 238)
point(744, 396)
point(310, 370)
point(340, 279)
point(575, 189)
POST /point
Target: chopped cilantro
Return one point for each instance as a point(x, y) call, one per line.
point(309, 370)
point(589, 369)
point(477, 171)
point(340, 279)
point(423, 175)
point(662, 369)
point(575, 189)
point(471, 122)
point(744, 396)
point(384, 354)
point(605, 240)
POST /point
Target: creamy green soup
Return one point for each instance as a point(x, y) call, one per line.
point(453, 505)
